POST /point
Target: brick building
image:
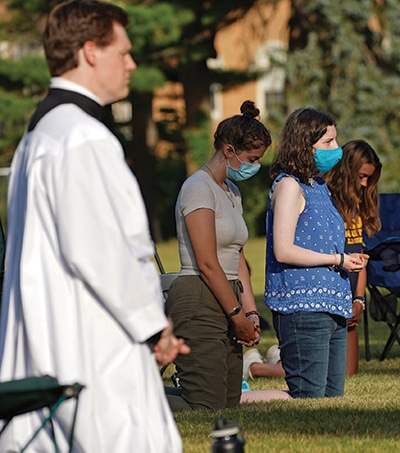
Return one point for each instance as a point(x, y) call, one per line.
point(257, 42)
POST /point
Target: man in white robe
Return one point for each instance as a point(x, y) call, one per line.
point(82, 299)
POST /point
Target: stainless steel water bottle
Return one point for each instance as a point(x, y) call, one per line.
point(225, 438)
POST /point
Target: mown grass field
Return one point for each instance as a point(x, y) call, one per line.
point(365, 419)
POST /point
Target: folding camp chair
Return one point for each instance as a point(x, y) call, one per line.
point(167, 278)
point(383, 269)
point(36, 393)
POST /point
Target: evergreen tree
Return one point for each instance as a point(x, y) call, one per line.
point(344, 57)
point(175, 38)
point(172, 40)
point(23, 76)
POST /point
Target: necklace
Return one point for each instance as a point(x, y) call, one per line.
point(226, 192)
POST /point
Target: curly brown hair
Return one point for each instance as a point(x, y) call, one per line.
point(352, 199)
point(73, 23)
point(302, 129)
point(244, 132)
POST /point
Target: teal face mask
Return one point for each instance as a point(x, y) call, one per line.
point(245, 171)
point(326, 159)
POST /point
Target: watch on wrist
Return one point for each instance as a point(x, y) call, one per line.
point(234, 312)
point(153, 340)
point(359, 298)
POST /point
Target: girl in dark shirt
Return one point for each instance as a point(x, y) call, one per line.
point(353, 182)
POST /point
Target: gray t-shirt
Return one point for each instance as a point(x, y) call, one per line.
point(201, 191)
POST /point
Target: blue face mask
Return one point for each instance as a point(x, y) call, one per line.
point(326, 159)
point(245, 171)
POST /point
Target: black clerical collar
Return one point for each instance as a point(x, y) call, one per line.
point(58, 96)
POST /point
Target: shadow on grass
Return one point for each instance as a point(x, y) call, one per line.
point(292, 420)
point(395, 372)
point(378, 423)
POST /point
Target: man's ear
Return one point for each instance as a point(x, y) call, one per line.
point(89, 52)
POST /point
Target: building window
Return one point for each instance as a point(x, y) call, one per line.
point(216, 101)
point(274, 100)
point(270, 59)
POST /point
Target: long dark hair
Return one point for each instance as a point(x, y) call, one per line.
point(302, 129)
point(352, 199)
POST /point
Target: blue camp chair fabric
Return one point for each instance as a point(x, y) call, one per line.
point(2, 257)
point(383, 268)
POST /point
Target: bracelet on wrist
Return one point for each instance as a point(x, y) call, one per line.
point(333, 266)
point(252, 312)
point(340, 266)
point(341, 261)
point(360, 300)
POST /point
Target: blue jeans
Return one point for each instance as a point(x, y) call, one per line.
point(313, 353)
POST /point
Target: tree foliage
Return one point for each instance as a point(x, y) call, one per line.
point(172, 40)
point(177, 37)
point(22, 83)
point(344, 58)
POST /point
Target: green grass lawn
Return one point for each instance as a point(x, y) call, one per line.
point(366, 418)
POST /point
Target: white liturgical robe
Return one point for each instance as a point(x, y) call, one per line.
point(81, 292)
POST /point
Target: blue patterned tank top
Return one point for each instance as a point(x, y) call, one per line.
point(315, 289)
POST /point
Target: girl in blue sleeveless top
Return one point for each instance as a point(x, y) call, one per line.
point(307, 286)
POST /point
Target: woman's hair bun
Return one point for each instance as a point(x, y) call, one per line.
point(248, 108)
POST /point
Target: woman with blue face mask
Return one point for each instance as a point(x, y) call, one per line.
point(211, 303)
point(307, 286)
